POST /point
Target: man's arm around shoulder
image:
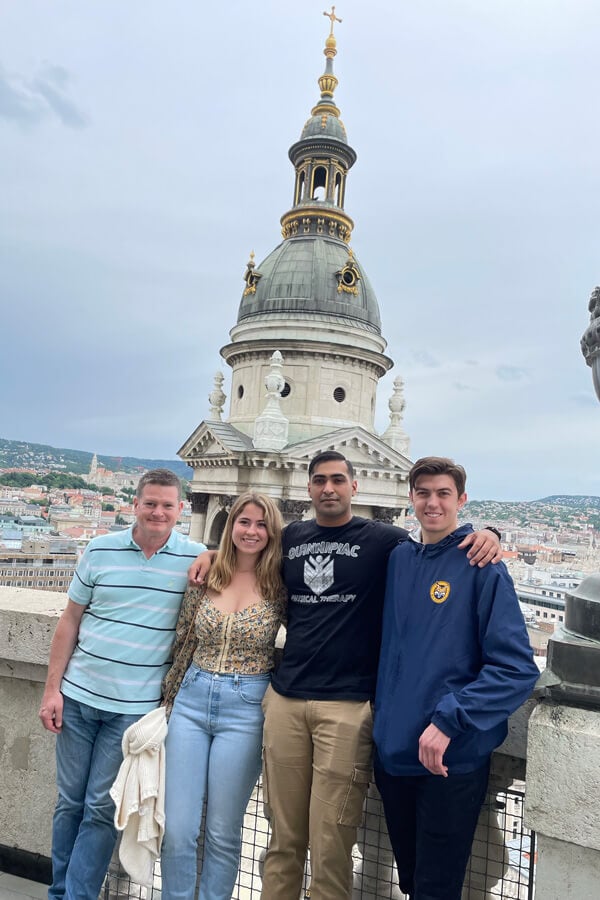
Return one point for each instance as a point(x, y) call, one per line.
point(484, 547)
point(61, 650)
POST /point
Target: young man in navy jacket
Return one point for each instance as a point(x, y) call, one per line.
point(455, 663)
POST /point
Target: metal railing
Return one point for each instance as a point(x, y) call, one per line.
point(502, 863)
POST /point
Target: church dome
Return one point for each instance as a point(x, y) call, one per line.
point(312, 278)
point(324, 125)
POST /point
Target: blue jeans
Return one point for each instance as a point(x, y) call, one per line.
point(213, 752)
point(88, 756)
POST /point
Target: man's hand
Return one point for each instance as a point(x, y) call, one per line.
point(61, 651)
point(484, 547)
point(51, 711)
point(200, 568)
point(432, 746)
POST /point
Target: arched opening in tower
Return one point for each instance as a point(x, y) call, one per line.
point(319, 188)
point(216, 529)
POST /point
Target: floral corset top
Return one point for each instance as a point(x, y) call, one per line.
point(239, 642)
point(230, 643)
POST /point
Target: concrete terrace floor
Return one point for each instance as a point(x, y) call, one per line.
point(13, 888)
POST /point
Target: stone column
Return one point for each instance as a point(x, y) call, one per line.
point(563, 771)
point(199, 508)
point(563, 756)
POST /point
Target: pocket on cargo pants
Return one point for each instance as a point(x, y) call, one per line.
point(351, 808)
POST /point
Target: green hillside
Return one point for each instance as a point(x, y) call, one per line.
point(27, 455)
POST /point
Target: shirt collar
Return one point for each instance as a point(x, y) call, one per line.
point(168, 545)
point(415, 535)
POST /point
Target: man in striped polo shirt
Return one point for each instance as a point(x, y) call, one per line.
point(110, 651)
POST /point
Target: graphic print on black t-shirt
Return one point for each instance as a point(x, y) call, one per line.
point(318, 573)
point(319, 570)
point(335, 578)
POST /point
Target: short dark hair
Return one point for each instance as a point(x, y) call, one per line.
point(329, 456)
point(438, 465)
point(163, 477)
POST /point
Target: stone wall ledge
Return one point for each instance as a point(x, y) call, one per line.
point(27, 778)
point(27, 622)
point(564, 774)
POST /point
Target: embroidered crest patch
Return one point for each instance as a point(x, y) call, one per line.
point(439, 591)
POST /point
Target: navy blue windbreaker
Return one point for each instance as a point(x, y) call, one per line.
point(455, 652)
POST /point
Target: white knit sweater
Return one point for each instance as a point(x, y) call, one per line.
point(139, 795)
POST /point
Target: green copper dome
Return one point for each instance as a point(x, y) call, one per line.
point(324, 125)
point(312, 277)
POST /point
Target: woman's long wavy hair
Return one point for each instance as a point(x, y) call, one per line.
point(268, 566)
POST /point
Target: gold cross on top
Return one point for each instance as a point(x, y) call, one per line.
point(331, 15)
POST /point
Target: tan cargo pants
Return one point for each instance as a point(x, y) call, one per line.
point(316, 770)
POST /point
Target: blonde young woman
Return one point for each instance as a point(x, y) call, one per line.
point(214, 742)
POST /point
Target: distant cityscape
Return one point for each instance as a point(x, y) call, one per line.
point(53, 501)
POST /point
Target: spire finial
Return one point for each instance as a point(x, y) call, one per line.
point(216, 399)
point(395, 435)
point(271, 427)
point(328, 82)
point(331, 15)
point(330, 42)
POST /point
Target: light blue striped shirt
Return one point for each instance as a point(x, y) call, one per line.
point(124, 644)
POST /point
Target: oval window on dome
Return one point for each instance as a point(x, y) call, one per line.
point(286, 390)
point(339, 394)
point(240, 391)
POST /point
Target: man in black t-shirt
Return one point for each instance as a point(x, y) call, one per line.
point(318, 719)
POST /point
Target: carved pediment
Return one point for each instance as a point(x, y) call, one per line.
point(365, 450)
point(217, 440)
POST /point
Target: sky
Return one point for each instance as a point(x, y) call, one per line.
point(143, 152)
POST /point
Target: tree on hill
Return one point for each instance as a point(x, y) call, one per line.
point(53, 480)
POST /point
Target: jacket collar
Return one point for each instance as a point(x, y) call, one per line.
point(455, 537)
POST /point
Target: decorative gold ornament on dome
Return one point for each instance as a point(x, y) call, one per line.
point(250, 276)
point(338, 224)
point(349, 276)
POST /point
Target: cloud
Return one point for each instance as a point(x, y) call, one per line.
point(582, 399)
point(425, 358)
point(28, 103)
point(511, 373)
point(460, 386)
point(17, 103)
